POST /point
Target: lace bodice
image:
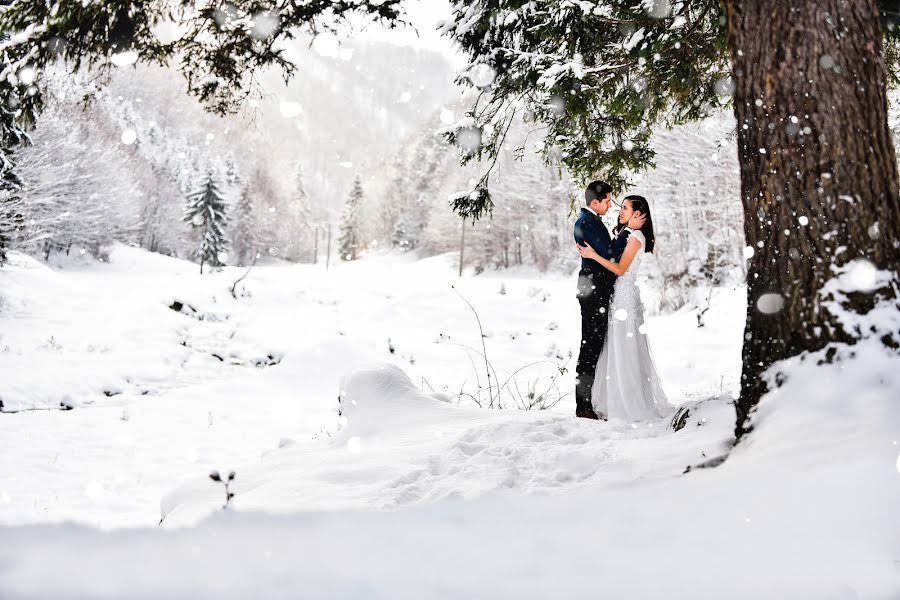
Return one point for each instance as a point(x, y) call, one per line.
point(627, 295)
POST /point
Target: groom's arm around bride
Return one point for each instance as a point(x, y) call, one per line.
point(589, 227)
point(595, 287)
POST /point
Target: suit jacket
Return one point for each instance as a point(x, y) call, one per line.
point(589, 228)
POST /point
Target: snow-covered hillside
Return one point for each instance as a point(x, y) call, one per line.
point(119, 167)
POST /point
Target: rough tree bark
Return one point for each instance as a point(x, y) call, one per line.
point(819, 180)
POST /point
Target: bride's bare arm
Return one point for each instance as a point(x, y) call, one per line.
point(619, 268)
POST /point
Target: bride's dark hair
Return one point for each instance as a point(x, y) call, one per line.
point(640, 204)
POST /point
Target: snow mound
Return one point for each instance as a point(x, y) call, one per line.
point(821, 410)
point(128, 258)
point(375, 398)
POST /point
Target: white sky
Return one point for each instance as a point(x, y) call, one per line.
point(424, 16)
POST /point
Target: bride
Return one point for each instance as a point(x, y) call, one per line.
point(627, 385)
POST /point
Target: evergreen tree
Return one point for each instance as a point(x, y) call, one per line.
point(413, 189)
point(156, 206)
point(15, 116)
point(295, 228)
point(232, 178)
point(349, 243)
point(243, 231)
point(806, 78)
point(206, 211)
point(12, 219)
point(268, 213)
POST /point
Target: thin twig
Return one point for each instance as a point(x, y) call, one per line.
point(472, 350)
point(487, 366)
point(467, 350)
point(242, 277)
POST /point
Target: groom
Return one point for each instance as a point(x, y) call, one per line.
point(595, 286)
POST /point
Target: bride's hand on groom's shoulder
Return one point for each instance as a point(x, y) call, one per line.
point(637, 220)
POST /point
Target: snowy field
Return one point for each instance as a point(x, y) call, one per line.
point(116, 407)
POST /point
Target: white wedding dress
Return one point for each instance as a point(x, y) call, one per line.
point(626, 385)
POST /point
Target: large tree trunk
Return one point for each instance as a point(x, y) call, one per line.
point(818, 172)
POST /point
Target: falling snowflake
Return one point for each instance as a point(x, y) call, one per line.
point(862, 275)
point(482, 75)
point(621, 315)
point(874, 231)
point(770, 303)
point(289, 110)
point(657, 9)
point(326, 44)
point(469, 139)
point(123, 59)
point(226, 15)
point(26, 75)
point(447, 117)
point(265, 25)
point(57, 45)
point(724, 87)
point(129, 136)
point(557, 105)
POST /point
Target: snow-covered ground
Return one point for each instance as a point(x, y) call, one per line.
point(406, 494)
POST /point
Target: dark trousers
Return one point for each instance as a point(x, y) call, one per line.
point(594, 295)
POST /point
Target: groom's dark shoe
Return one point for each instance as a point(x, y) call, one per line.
point(587, 413)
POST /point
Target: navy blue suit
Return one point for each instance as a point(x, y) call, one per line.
point(595, 288)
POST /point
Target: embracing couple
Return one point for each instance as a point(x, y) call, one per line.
point(616, 377)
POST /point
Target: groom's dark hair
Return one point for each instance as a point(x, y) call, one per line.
point(596, 190)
